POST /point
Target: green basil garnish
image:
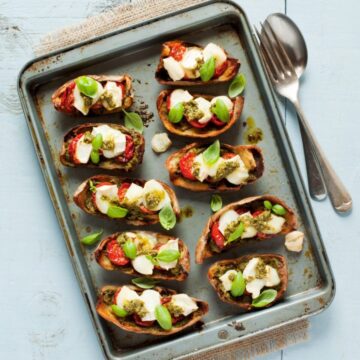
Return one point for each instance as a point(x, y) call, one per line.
point(92, 186)
point(216, 203)
point(238, 285)
point(144, 283)
point(168, 256)
point(133, 121)
point(237, 86)
point(163, 317)
point(221, 111)
point(129, 249)
point(265, 298)
point(278, 209)
point(167, 217)
point(267, 204)
point(236, 233)
point(176, 113)
point(207, 70)
point(95, 156)
point(212, 153)
point(87, 85)
point(116, 212)
point(92, 239)
point(118, 311)
point(97, 142)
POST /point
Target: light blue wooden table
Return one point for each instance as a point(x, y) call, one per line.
point(42, 312)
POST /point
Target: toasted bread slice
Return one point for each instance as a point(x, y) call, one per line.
point(105, 300)
point(128, 97)
point(251, 155)
point(83, 199)
point(203, 248)
point(108, 164)
point(182, 268)
point(245, 301)
point(162, 76)
point(183, 128)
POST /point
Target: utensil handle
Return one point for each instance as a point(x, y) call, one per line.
point(316, 183)
point(339, 196)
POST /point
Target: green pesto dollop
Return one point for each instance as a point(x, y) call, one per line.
point(135, 306)
point(154, 198)
point(192, 111)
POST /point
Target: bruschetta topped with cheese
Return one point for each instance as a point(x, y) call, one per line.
point(184, 63)
point(158, 311)
point(215, 167)
point(106, 146)
point(251, 281)
point(94, 94)
point(258, 217)
point(158, 256)
point(196, 115)
point(134, 201)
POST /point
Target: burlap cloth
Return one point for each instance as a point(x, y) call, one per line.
point(130, 14)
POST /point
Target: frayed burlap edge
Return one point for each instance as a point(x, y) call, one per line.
point(131, 14)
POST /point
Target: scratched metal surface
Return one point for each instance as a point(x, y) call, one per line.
point(136, 52)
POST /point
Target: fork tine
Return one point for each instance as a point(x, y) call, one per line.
point(273, 49)
point(268, 58)
point(290, 66)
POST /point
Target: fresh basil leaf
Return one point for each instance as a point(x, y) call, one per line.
point(117, 212)
point(207, 70)
point(216, 203)
point(168, 256)
point(265, 298)
point(221, 111)
point(92, 186)
point(87, 86)
point(144, 283)
point(133, 121)
point(268, 204)
point(91, 239)
point(212, 153)
point(176, 113)
point(237, 86)
point(167, 217)
point(236, 233)
point(129, 249)
point(238, 285)
point(278, 209)
point(97, 142)
point(152, 259)
point(163, 317)
point(118, 311)
point(95, 156)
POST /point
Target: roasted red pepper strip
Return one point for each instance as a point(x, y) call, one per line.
point(228, 155)
point(217, 236)
point(129, 150)
point(67, 97)
point(122, 191)
point(177, 51)
point(219, 70)
point(72, 148)
point(185, 165)
point(138, 321)
point(197, 125)
point(176, 319)
point(116, 254)
point(216, 121)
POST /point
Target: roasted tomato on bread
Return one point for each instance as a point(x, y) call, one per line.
point(94, 94)
point(184, 63)
point(106, 146)
point(250, 281)
point(157, 311)
point(133, 201)
point(155, 255)
point(231, 169)
point(257, 217)
point(196, 115)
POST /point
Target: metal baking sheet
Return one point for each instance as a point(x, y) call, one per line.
point(136, 51)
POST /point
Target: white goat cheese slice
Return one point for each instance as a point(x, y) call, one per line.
point(185, 302)
point(226, 219)
point(125, 294)
point(204, 105)
point(226, 282)
point(227, 101)
point(104, 195)
point(179, 96)
point(249, 231)
point(114, 136)
point(152, 186)
point(151, 299)
point(174, 69)
point(83, 150)
point(134, 194)
point(191, 58)
point(115, 92)
point(79, 102)
point(275, 224)
point(143, 265)
point(216, 51)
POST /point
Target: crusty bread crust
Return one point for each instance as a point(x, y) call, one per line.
point(127, 100)
point(105, 312)
point(162, 76)
point(184, 260)
point(203, 249)
point(207, 132)
point(251, 155)
point(107, 164)
point(246, 305)
point(83, 192)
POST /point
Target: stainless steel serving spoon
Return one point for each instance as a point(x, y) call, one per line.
point(295, 46)
point(290, 43)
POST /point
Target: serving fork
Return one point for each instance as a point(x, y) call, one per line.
point(286, 83)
